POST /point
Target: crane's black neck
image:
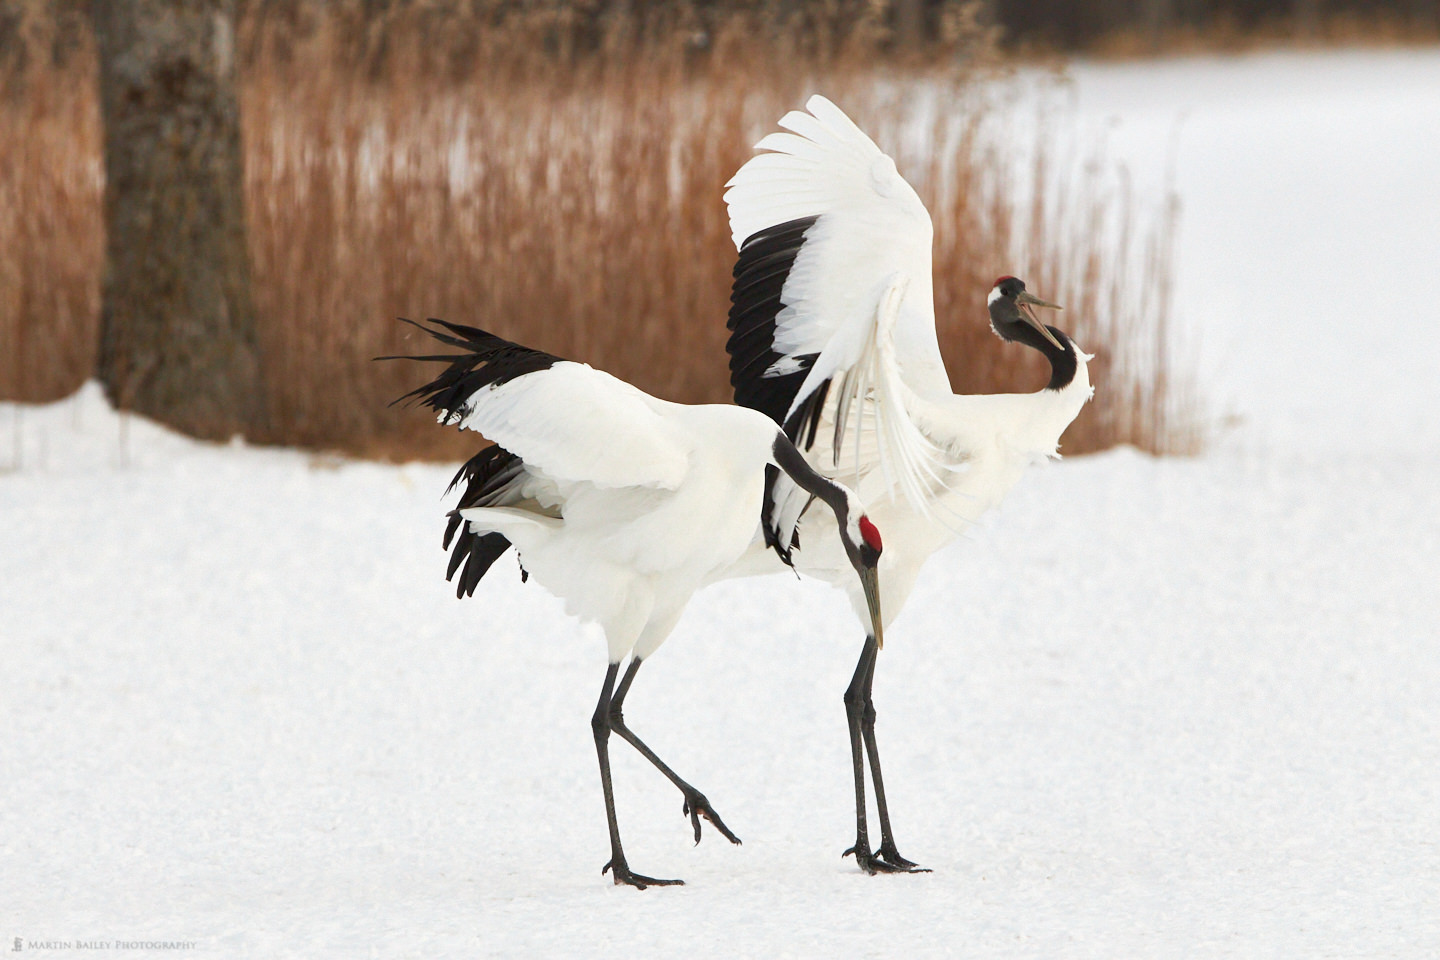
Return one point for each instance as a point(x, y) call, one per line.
point(792, 462)
point(1063, 362)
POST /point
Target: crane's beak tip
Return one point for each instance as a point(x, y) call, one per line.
point(1034, 321)
point(1027, 297)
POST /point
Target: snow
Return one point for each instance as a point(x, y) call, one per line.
point(1310, 186)
point(1180, 707)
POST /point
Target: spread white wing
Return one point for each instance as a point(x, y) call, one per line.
point(575, 423)
point(833, 304)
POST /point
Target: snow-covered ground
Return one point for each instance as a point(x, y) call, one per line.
point(1154, 708)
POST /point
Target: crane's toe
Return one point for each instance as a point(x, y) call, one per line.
point(696, 806)
point(862, 860)
point(880, 862)
point(891, 856)
point(623, 874)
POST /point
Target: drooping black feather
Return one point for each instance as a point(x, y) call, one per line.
point(485, 475)
point(806, 418)
point(763, 266)
point(768, 516)
point(488, 361)
point(761, 270)
point(767, 510)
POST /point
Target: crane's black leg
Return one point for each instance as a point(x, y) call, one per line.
point(887, 851)
point(854, 708)
point(860, 712)
point(600, 724)
point(695, 803)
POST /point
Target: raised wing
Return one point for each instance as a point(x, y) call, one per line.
point(832, 300)
point(565, 420)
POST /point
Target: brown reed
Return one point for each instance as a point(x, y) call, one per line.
point(483, 168)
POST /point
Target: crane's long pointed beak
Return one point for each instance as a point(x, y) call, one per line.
point(1026, 301)
point(870, 580)
point(1026, 296)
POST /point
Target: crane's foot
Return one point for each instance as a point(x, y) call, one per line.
point(873, 864)
point(623, 874)
point(890, 855)
point(696, 806)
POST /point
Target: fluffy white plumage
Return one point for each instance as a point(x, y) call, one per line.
point(619, 503)
point(573, 422)
point(656, 497)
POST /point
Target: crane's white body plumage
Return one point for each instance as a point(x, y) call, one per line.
point(858, 298)
point(1002, 434)
point(657, 497)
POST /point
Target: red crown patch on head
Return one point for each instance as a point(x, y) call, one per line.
point(870, 534)
point(1002, 280)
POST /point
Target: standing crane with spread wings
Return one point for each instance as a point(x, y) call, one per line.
point(833, 336)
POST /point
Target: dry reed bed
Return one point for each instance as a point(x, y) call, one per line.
point(575, 208)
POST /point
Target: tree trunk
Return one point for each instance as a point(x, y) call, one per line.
point(177, 324)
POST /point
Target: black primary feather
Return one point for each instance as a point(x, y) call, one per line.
point(806, 418)
point(486, 476)
point(761, 270)
point(768, 511)
point(763, 266)
point(488, 360)
point(768, 507)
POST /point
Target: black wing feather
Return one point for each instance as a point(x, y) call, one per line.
point(486, 475)
point(763, 266)
point(761, 270)
point(487, 360)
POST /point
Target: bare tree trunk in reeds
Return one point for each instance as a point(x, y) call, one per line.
point(177, 331)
